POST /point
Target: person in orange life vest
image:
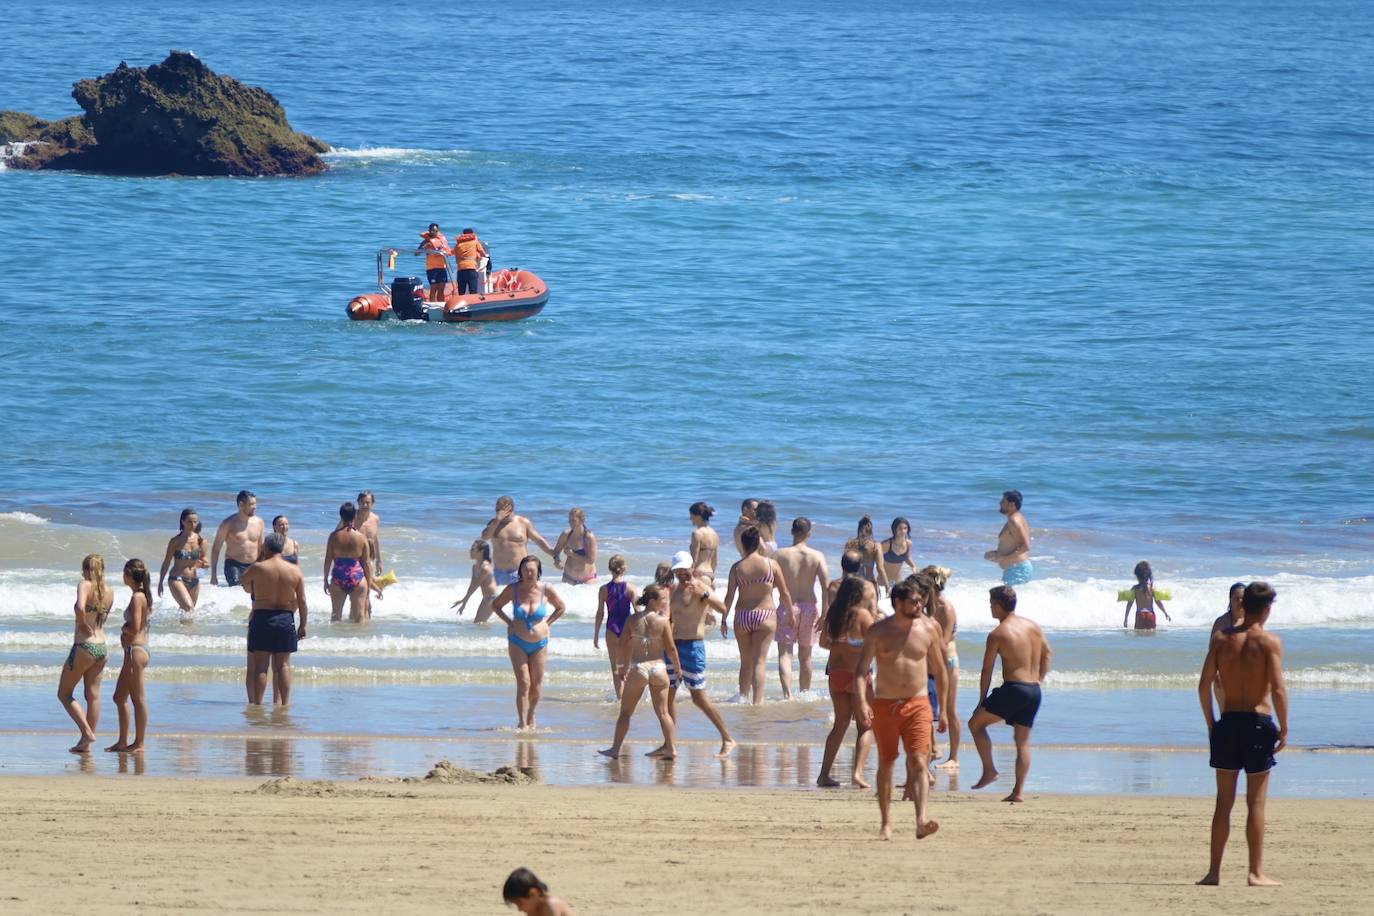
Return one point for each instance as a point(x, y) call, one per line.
point(436, 266)
point(467, 248)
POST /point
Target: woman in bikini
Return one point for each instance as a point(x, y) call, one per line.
point(1144, 599)
point(133, 638)
point(580, 546)
point(766, 516)
point(613, 603)
point(752, 581)
point(645, 641)
point(705, 546)
point(846, 622)
point(872, 567)
point(185, 557)
point(291, 553)
point(944, 614)
point(480, 578)
point(527, 631)
point(86, 660)
point(897, 550)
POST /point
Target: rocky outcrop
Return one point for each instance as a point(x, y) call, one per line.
point(178, 117)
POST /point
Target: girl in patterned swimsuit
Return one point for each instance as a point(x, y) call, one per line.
point(86, 660)
point(185, 557)
point(753, 579)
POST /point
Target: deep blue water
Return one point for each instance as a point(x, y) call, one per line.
point(888, 258)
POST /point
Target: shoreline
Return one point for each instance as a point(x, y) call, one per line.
point(422, 848)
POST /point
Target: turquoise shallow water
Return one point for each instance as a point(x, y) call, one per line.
point(887, 259)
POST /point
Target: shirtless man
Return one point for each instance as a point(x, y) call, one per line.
point(1025, 655)
point(278, 591)
point(803, 568)
point(689, 603)
point(1234, 616)
point(508, 534)
point(370, 526)
point(1249, 660)
point(347, 566)
point(902, 645)
point(241, 537)
point(851, 563)
point(1013, 542)
point(705, 546)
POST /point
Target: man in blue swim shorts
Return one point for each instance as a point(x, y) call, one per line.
point(1025, 655)
point(1013, 542)
point(691, 600)
point(509, 535)
point(1248, 661)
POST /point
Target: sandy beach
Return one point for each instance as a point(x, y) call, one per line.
point(192, 845)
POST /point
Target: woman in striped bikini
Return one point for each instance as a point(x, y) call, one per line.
point(752, 581)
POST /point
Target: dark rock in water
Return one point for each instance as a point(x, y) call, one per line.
point(178, 117)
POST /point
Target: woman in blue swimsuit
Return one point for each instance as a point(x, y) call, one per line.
point(185, 557)
point(527, 630)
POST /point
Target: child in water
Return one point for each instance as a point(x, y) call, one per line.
point(528, 894)
point(1144, 599)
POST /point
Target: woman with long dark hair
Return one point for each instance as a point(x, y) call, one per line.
point(753, 580)
point(185, 557)
point(133, 638)
point(846, 623)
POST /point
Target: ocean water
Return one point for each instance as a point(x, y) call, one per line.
point(887, 259)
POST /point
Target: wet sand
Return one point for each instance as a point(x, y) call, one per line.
point(184, 845)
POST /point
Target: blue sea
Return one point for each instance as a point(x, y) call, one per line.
point(885, 258)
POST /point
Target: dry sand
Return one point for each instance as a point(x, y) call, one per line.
point(76, 844)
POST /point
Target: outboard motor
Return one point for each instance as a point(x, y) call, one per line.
point(407, 299)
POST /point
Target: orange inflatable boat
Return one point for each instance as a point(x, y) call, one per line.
point(508, 295)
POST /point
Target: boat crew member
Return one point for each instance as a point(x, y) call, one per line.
point(436, 265)
point(467, 248)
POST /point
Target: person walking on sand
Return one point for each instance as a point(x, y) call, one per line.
point(705, 545)
point(847, 620)
point(803, 569)
point(527, 632)
point(1249, 661)
point(578, 542)
point(531, 896)
point(479, 578)
point(241, 537)
point(1025, 654)
point(1144, 599)
point(86, 660)
point(133, 639)
point(348, 568)
point(690, 605)
point(903, 646)
point(508, 534)
point(948, 620)
point(752, 581)
point(184, 557)
point(614, 602)
point(278, 590)
point(1013, 542)
point(435, 245)
point(645, 642)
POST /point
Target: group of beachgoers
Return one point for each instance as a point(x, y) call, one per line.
point(894, 676)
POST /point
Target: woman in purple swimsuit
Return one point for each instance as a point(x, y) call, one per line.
point(613, 602)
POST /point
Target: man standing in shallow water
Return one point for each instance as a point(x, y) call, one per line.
point(906, 646)
point(1248, 659)
point(1025, 655)
point(803, 568)
point(508, 534)
point(1013, 542)
point(241, 537)
point(278, 590)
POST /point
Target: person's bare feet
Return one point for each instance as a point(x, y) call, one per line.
point(950, 764)
point(986, 779)
point(827, 782)
point(1014, 798)
point(135, 748)
point(657, 752)
point(118, 746)
point(929, 829)
point(859, 782)
point(726, 747)
point(663, 753)
point(611, 752)
point(1261, 880)
point(1210, 880)
point(885, 832)
point(83, 745)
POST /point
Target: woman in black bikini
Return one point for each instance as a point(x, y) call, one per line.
point(185, 556)
point(897, 550)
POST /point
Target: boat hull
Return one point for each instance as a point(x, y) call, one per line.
point(517, 294)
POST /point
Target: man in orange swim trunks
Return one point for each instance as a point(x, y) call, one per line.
point(903, 646)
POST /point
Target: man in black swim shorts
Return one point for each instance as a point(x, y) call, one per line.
point(278, 591)
point(1025, 654)
point(1248, 661)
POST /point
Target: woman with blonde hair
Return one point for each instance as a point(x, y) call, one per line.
point(133, 637)
point(614, 601)
point(86, 660)
point(645, 642)
point(944, 614)
point(580, 566)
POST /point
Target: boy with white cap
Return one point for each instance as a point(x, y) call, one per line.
point(691, 601)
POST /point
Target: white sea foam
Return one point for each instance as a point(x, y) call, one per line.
point(24, 518)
